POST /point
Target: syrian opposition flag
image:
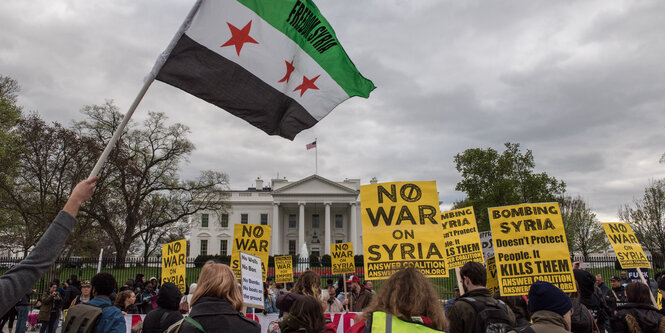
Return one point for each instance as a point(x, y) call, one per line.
point(275, 63)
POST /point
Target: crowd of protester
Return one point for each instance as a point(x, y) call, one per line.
point(406, 302)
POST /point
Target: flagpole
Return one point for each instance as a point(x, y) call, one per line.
point(316, 157)
point(148, 81)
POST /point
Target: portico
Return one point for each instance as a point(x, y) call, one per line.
point(316, 212)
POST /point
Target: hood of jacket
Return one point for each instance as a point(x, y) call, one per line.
point(169, 296)
point(646, 315)
point(285, 301)
point(549, 318)
point(585, 281)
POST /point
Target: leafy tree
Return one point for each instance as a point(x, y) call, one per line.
point(139, 190)
point(646, 216)
point(583, 230)
point(50, 160)
point(490, 179)
point(10, 114)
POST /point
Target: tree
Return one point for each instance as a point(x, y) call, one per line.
point(50, 160)
point(139, 190)
point(583, 230)
point(490, 179)
point(647, 217)
point(10, 114)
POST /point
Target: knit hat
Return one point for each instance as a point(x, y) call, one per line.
point(546, 296)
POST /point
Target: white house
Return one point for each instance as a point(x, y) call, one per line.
point(313, 211)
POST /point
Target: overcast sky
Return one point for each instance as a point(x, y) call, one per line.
point(581, 83)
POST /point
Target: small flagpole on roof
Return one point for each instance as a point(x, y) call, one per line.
point(148, 81)
point(316, 156)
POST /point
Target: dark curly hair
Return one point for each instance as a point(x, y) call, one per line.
point(103, 284)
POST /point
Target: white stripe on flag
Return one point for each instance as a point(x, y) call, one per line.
point(266, 59)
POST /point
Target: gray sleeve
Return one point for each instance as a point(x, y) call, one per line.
point(17, 281)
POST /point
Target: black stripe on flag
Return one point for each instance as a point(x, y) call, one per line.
point(217, 80)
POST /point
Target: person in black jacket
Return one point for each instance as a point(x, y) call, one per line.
point(167, 313)
point(638, 315)
point(591, 296)
point(217, 303)
point(618, 290)
point(72, 291)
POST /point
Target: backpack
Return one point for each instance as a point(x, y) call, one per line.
point(491, 317)
point(175, 328)
point(82, 318)
point(581, 319)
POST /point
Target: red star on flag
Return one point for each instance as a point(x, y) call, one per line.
point(289, 69)
point(307, 84)
point(239, 36)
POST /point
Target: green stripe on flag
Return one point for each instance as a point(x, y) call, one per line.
point(301, 21)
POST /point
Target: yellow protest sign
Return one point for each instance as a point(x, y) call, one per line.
point(530, 245)
point(401, 228)
point(492, 281)
point(283, 269)
point(660, 300)
point(342, 258)
point(460, 237)
point(174, 262)
point(253, 239)
point(628, 250)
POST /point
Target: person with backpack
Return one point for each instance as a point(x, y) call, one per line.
point(592, 297)
point(110, 320)
point(407, 302)
point(476, 310)
point(550, 308)
point(216, 304)
point(167, 313)
point(638, 314)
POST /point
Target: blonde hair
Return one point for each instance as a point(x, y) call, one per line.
point(405, 294)
point(217, 280)
point(309, 283)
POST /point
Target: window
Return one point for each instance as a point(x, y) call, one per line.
point(244, 219)
point(225, 220)
point(223, 246)
point(204, 247)
point(204, 220)
point(292, 246)
point(264, 219)
point(315, 221)
point(292, 221)
point(339, 221)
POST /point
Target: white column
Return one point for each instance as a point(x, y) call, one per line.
point(276, 239)
point(327, 229)
point(354, 228)
point(301, 226)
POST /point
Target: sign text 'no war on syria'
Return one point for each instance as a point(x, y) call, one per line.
point(401, 228)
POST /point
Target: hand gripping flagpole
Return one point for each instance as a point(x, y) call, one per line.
point(148, 81)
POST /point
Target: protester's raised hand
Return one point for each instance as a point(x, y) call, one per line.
point(82, 192)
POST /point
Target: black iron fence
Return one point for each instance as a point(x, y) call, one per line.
point(86, 268)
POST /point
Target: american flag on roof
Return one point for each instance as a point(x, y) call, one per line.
point(311, 145)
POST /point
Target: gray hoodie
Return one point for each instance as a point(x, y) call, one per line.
point(17, 281)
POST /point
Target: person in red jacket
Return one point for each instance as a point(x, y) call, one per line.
point(405, 301)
